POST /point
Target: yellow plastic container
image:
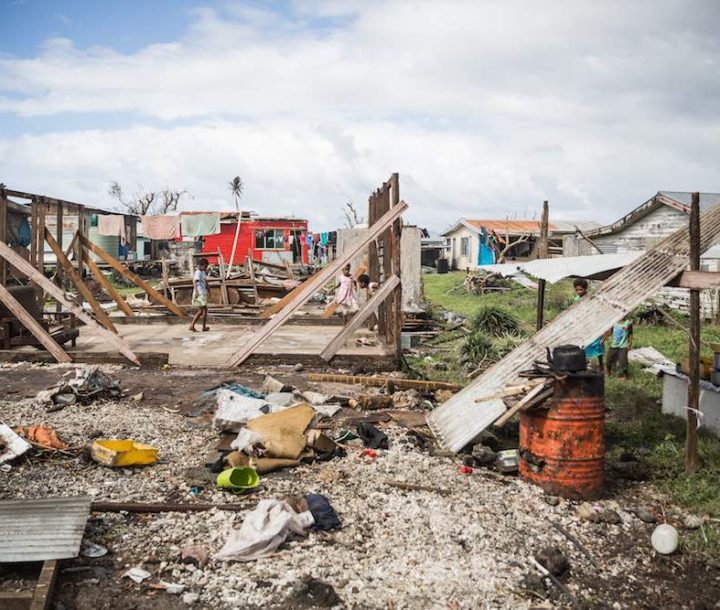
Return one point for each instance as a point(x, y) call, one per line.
point(116, 452)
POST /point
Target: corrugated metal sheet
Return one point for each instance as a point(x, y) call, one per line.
point(46, 528)
point(555, 269)
point(461, 419)
point(511, 226)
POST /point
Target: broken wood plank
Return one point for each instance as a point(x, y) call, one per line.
point(317, 281)
point(161, 507)
point(44, 587)
point(359, 317)
point(522, 403)
point(153, 294)
point(251, 269)
point(38, 278)
point(512, 391)
point(107, 286)
point(288, 298)
point(32, 325)
point(223, 278)
point(458, 421)
point(76, 279)
point(379, 381)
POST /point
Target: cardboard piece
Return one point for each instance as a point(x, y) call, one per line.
point(283, 432)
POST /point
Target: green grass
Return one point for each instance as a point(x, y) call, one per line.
point(635, 423)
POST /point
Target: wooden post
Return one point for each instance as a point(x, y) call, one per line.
point(83, 230)
point(223, 278)
point(153, 294)
point(693, 401)
point(76, 278)
point(3, 232)
point(33, 325)
point(42, 597)
point(396, 253)
point(35, 235)
point(59, 240)
point(542, 252)
point(251, 268)
point(165, 276)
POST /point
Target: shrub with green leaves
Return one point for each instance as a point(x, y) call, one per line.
point(476, 348)
point(504, 344)
point(495, 322)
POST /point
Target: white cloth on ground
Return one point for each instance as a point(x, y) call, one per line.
point(263, 531)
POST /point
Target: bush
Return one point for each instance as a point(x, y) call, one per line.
point(476, 348)
point(495, 321)
point(505, 344)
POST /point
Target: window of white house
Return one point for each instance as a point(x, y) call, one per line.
point(464, 246)
point(270, 239)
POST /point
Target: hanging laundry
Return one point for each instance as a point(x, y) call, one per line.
point(199, 225)
point(161, 227)
point(111, 224)
point(324, 239)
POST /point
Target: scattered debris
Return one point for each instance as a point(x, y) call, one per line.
point(90, 384)
point(137, 574)
point(372, 437)
point(692, 522)
point(118, 453)
point(194, 555)
point(42, 436)
point(553, 560)
point(588, 513)
point(12, 445)
point(665, 539)
point(92, 550)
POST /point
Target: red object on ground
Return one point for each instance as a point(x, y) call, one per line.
point(370, 453)
point(465, 470)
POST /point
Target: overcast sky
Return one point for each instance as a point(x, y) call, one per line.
point(485, 108)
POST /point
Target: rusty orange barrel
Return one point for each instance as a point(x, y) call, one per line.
point(562, 446)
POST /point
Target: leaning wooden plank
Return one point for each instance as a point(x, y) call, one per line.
point(73, 274)
point(288, 298)
point(458, 421)
point(107, 286)
point(317, 281)
point(332, 307)
point(153, 294)
point(38, 278)
point(359, 317)
point(379, 381)
point(520, 405)
point(44, 587)
point(32, 325)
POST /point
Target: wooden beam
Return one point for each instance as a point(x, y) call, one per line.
point(396, 254)
point(59, 240)
point(317, 281)
point(84, 291)
point(107, 286)
point(288, 298)
point(699, 280)
point(32, 325)
point(693, 397)
point(3, 233)
point(44, 587)
point(359, 317)
point(38, 278)
point(542, 252)
point(378, 382)
point(537, 391)
point(153, 294)
point(251, 268)
point(223, 278)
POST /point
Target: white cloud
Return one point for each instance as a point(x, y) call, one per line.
point(484, 108)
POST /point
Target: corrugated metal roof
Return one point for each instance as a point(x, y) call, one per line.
point(42, 529)
point(555, 269)
point(511, 226)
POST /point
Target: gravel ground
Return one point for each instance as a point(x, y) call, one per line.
point(470, 548)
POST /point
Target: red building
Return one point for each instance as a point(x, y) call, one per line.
point(273, 240)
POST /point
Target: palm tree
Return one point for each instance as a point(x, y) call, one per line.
point(236, 188)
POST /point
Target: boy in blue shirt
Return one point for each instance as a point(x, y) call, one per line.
point(596, 349)
point(621, 339)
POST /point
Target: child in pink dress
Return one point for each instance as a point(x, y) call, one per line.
point(345, 294)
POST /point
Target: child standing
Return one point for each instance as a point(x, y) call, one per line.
point(200, 294)
point(345, 295)
point(620, 344)
point(596, 349)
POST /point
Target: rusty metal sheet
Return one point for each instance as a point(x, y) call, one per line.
point(459, 420)
point(42, 529)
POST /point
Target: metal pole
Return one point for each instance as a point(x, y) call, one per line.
point(693, 402)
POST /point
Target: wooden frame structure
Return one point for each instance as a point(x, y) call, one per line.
point(31, 264)
point(382, 241)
